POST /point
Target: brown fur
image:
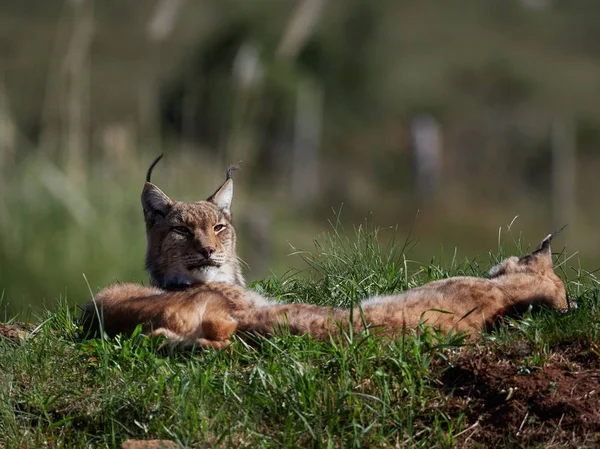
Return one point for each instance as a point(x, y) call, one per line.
point(190, 243)
point(194, 269)
point(460, 303)
point(200, 315)
point(209, 314)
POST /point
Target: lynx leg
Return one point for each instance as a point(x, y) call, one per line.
point(172, 340)
point(204, 343)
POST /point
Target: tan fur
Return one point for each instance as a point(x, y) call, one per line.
point(455, 304)
point(190, 243)
point(202, 314)
point(194, 269)
point(209, 314)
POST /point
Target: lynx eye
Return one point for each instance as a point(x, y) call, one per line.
point(218, 228)
point(181, 230)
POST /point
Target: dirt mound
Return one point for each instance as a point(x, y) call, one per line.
point(509, 403)
point(15, 331)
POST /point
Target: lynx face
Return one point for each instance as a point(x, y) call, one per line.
point(190, 243)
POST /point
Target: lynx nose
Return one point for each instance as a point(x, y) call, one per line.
point(207, 251)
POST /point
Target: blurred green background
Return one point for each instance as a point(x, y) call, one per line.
point(448, 117)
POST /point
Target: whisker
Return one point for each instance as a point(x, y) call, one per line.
point(242, 262)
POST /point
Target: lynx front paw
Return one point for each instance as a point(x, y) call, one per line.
point(175, 343)
point(220, 344)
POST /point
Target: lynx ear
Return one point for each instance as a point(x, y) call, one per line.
point(154, 201)
point(541, 257)
point(223, 196)
point(544, 246)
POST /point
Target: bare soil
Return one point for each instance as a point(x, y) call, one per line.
point(511, 404)
point(15, 331)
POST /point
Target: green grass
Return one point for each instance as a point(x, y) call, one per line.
point(60, 390)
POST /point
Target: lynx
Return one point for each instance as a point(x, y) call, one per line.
point(208, 315)
point(460, 303)
point(190, 243)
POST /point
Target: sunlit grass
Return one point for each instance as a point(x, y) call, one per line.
point(59, 389)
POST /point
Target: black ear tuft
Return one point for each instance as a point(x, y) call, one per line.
point(149, 172)
point(545, 245)
point(231, 169)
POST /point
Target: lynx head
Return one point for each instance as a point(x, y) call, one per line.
point(539, 265)
point(190, 243)
point(537, 262)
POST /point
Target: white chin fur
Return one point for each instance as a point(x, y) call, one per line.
point(214, 274)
